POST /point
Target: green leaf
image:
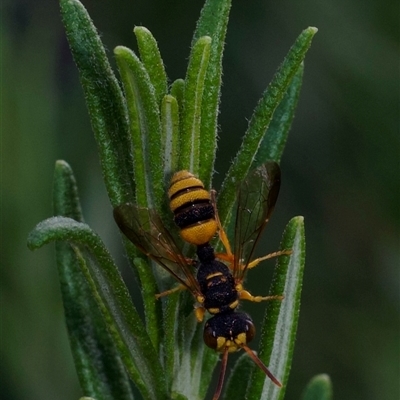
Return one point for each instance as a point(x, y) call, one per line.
point(145, 127)
point(104, 100)
point(178, 90)
point(236, 385)
point(209, 362)
point(281, 318)
point(260, 121)
point(113, 300)
point(184, 331)
point(192, 105)
point(65, 192)
point(319, 388)
point(170, 133)
point(98, 364)
point(273, 143)
point(152, 307)
point(203, 362)
point(178, 396)
point(213, 22)
point(152, 61)
point(194, 362)
point(171, 323)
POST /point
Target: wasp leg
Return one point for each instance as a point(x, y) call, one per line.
point(199, 312)
point(245, 295)
point(170, 291)
point(229, 258)
point(221, 231)
point(257, 261)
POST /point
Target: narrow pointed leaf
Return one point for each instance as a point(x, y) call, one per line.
point(236, 385)
point(209, 364)
point(178, 396)
point(171, 329)
point(65, 192)
point(204, 360)
point(145, 128)
point(112, 297)
point(183, 383)
point(260, 121)
point(152, 61)
point(100, 370)
point(319, 388)
point(152, 308)
point(273, 143)
point(104, 100)
point(177, 90)
point(192, 104)
point(213, 22)
point(281, 318)
point(170, 134)
point(194, 362)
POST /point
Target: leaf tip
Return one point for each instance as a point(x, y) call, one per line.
point(60, 163)
point(121, 51)
point(319, 387)
point(30, 246)
point(323, 377)
point(118, 50)
point(204, 40)
point(299, 219)
point(139, 29)
point(31, 241)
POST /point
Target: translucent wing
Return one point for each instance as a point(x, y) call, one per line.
point(257, 197)
point(144, 228)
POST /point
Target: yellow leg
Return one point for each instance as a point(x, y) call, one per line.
point(199, 312)
point(257, 261)
point(173, 290)
point(225, 257)
point(245, 295)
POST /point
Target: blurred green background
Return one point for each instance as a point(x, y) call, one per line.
point(340, 170)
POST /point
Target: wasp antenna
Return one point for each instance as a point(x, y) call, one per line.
point(261, 365)
point(221, 374)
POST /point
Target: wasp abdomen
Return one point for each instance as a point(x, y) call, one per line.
point(193, 212)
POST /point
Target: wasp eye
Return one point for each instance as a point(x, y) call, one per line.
point(209, 337)
point(250, 331)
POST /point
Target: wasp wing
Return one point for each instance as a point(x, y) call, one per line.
point(256, 199)
point(144, 228)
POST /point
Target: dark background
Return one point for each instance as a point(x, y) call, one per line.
point(340, 170)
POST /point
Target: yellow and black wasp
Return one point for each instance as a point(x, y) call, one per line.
point(214, 279)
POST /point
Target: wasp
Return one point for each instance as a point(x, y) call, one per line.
point(214, 279)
